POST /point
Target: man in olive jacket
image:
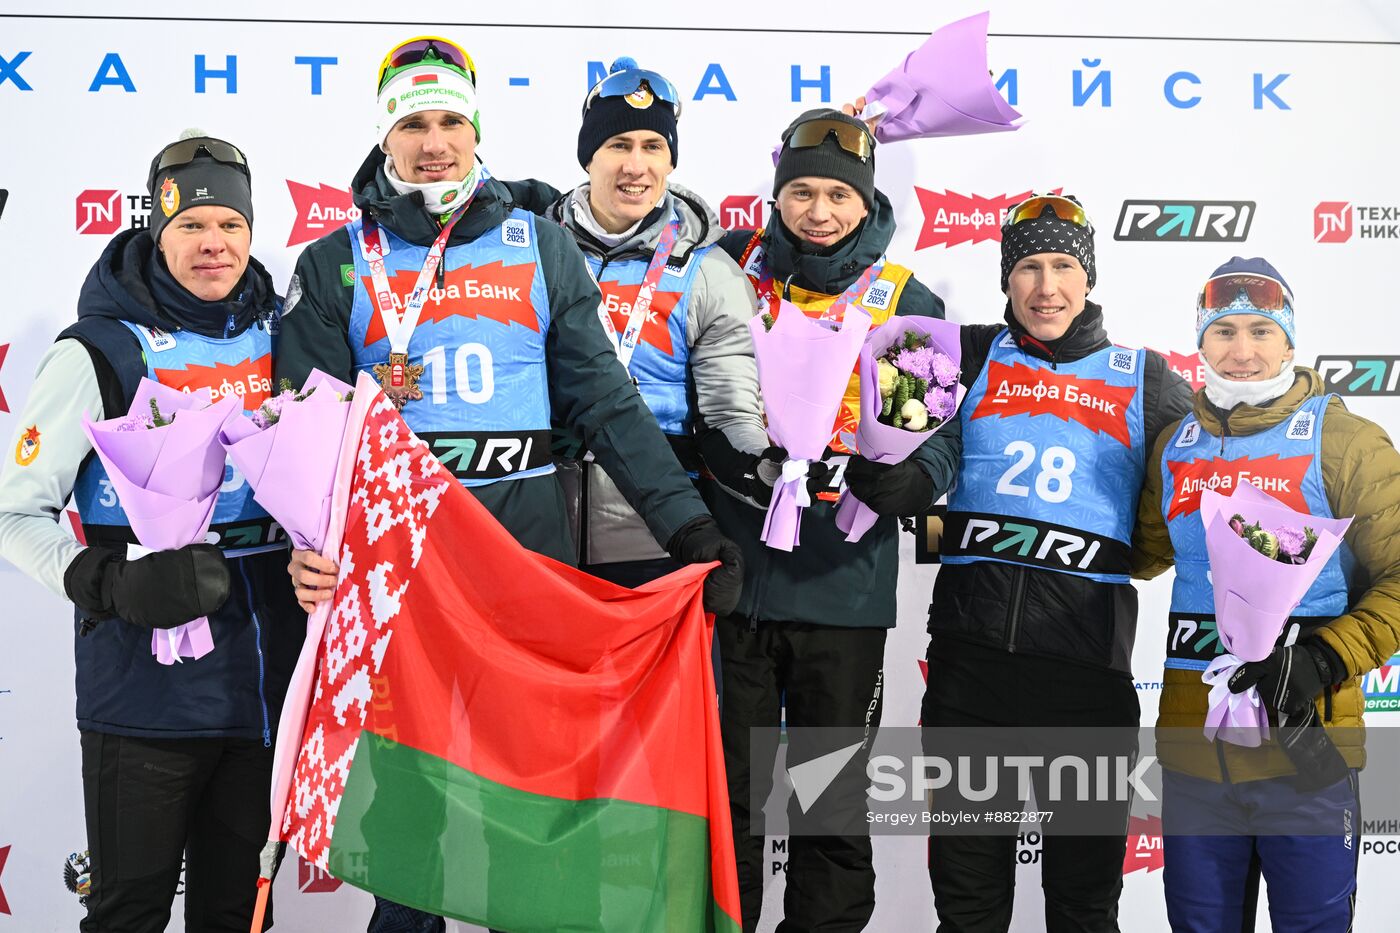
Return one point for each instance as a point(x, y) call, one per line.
point(1260, 417)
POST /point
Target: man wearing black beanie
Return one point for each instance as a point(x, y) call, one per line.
point(811, 623)
point(1029, 637)
point(176, 758)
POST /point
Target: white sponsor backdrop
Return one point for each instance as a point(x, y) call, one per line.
point(90, 91)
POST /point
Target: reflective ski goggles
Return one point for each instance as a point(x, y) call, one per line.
point(1262, 292)
point(187, 150)
point(635, 81)
point(854, 139)
point(426, 48)
point(1066, 209)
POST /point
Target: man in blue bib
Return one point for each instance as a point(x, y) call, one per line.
point(675, 308)
point(481, 324)
point(1288, 805)
point(1033, 618)
point(177, 758)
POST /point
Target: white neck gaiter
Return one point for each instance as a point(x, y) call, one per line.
point(440, 197)
point(1225, 394)
point(583, 214)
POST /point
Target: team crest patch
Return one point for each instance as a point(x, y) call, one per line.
point(1122, 361)
point(157, 339)
point(754, 267)
point(878, 295)
point(449, 196)
point(642, 97)
point(28, 447)
point(392, 105)
point(1189, 434)
point(77, 875)
point(169, 197)
point(515, 232)
point(1301, 427)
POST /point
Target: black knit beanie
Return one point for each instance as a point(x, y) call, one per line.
point(612, 116)
point(827, 160)
point(202, 182)
point(1046, 234)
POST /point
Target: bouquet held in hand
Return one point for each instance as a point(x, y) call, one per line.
point(1263, 558)
point(166, 467)
point(909, 387)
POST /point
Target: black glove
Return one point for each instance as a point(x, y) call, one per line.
point(903, 488)
point(1310, 749)
point(764, 470)
point(161, 590)
point(698, 541)
point(1291, 679)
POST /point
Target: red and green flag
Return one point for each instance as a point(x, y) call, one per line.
point(494, 736)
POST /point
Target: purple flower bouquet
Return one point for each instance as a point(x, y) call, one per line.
point(803, 370)
point(910, 369)
point(1260, 570)
point(288, 451)
point(166, 469)
point(942, 88)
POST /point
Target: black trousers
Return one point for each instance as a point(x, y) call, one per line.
point(826, 676)
point(150, 802)
point(974, 877)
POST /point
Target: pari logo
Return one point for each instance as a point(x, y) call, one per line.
point(312, 879)
point(1360, 375)
point(1185, 221)
point(741, 212)
point(951, 218)
point(1340, 221)
point(99, 211)
point(319, 211)
point(1382, 687)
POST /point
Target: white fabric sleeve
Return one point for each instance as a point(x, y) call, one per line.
point(32, 496)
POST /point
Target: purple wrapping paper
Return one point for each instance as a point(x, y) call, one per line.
point(167, 480)
point(803, 370)
point(884, 443)
point(942, 88)
point(291, 464)
point(1254, 596)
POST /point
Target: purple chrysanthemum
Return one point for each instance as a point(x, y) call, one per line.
point(1290, 541)
point(918, 363)
point(940, 403)
point(943, 370)
point(270, 411)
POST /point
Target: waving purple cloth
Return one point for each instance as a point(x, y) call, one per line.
point(1254, 596)
point(167, 479)
point(803, 370)
point(942, 88)
point(884, 443)
point(290, 464)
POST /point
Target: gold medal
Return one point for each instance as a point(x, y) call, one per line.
point(399, 378)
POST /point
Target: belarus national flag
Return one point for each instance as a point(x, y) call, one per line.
point(492, 735)
point(425, 79)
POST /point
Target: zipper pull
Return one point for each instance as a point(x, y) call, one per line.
point(228, 325)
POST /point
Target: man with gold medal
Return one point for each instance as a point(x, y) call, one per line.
point(481, 324)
